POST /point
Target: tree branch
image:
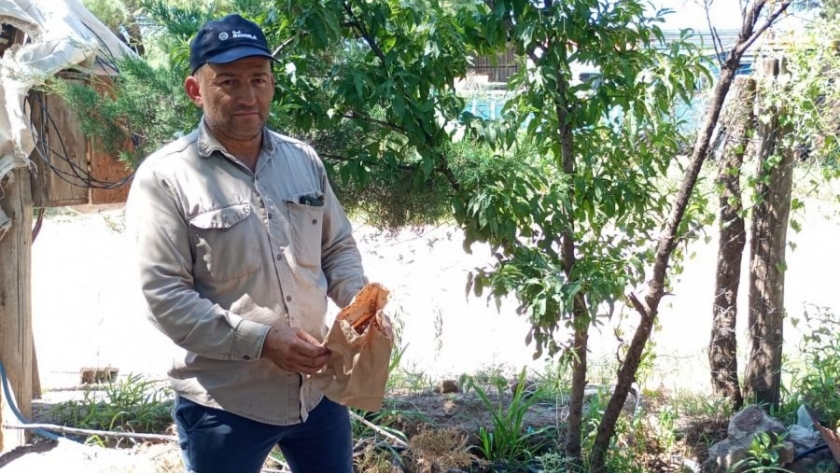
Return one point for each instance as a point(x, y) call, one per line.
point(391, 126)
point(770, 21)
point(716, 42)
point(360, 27)
point(640, 307)
point(284, 45)
point(369, 39)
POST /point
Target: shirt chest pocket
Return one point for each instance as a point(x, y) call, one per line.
point(226, 242)
point(306, 213)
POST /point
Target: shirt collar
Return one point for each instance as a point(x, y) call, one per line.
point(207, 142)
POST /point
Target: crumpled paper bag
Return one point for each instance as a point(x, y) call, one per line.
point(357, 371)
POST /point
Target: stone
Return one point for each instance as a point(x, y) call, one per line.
point(742, 428)
point(725, 454)
point(751, 421)
point(787, 453)
point(447, 386)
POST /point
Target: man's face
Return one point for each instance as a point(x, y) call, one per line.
point(235, 97)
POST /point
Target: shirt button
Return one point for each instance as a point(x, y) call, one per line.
point(288, 298)
point(246, 357)
point(279, 257)
point(269, 215)
point(314, 221)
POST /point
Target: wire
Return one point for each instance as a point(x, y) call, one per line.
point(77, 175)
point(810, 451)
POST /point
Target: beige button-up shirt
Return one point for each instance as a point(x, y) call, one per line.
point(225, 252)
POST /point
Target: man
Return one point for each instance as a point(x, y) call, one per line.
point(240, 240)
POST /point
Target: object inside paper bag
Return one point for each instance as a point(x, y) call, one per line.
point(360, 345)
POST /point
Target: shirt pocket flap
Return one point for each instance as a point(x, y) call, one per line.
point(223, 218)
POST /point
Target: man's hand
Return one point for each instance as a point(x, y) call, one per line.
point(294, 350)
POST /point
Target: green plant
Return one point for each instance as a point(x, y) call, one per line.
point(553, 462)
point(509, 440)
point(762, 455)
point(818, 383)
point(133, 404)
point(385, 419)
point(695, 405)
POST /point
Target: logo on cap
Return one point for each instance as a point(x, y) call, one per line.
point(239, 34)
point(223, 36)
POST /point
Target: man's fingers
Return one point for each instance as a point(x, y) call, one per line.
point(321, 360)
point(305, 336)
point(302, 365)
point(307, 345)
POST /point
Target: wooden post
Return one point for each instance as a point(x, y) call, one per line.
point(16, 340)
point(768, 238)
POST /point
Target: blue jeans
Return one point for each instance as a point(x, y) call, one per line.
point(215, 441)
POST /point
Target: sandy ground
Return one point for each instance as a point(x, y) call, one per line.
point(88, 311)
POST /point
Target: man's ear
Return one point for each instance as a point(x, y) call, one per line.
point(193, 89)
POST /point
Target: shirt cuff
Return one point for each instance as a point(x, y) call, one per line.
point(248, 339)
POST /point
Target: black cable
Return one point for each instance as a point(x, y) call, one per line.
point(78, 176)
point(810, 451)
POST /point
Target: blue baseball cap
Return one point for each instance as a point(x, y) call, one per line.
point(226, 40)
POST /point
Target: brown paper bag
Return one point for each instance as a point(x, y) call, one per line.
point(357, 371)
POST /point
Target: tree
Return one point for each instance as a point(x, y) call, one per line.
point(798, 128)
point(120, 16)
point(796, 118)
point(574, 231)
point(737, 130)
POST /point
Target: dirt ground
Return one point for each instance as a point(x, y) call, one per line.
point(87, 312)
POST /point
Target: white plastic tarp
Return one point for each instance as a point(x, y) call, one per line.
point(61, 34)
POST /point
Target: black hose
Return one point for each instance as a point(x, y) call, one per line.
point(810, 451)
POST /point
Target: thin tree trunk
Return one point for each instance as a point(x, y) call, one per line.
point(656, 286)
point(669, 238)
point(768, 237)
point(723, 346)
point(580, 314)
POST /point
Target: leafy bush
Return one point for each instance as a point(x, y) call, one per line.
point(817, 383)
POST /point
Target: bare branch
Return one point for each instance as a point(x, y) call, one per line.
point(284, 45)
point(771, 20)
point(716, 42)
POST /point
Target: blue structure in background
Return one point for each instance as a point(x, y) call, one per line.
point(691, 114)
point(489, 105)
